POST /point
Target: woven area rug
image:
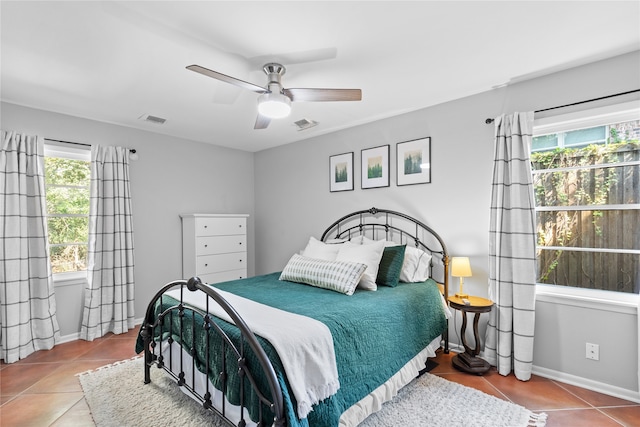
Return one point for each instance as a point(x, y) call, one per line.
point(117, 398)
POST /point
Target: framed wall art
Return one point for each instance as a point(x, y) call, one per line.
point(375, 167)
point(414, 161)
point(341, 172)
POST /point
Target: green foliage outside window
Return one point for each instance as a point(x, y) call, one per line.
point(67, 194)
point(606, 228)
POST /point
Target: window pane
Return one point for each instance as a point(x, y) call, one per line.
point(60, 171)
point(68, 229)
point(68, 258)
point(544, 142)
point(595, 135)
point(587, 187)
point(584, 187)
point(67, 193)
point(606, 229)
point(573, 178)
point(607, 271)
point(65, 200)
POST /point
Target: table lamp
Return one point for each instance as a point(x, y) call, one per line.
point(461, 268)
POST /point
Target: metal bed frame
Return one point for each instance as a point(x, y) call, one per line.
point(376, 223)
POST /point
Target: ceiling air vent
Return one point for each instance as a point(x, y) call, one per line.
point(152, 119)
point(305, 124)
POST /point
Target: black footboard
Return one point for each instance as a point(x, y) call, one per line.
point(223, 353)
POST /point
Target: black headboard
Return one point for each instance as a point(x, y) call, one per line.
point(379, 224)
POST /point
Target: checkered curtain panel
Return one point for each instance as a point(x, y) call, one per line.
point(512, 250)
point(27, 302)
point(109, 296)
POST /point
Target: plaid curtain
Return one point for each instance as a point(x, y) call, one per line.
point(109, 295)
point(512, 249)
point(27, 302)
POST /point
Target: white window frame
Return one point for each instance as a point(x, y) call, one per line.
point(55, 149)
point(590, 298)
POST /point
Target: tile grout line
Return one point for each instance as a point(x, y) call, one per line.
point(498, 390)
point(588, 403)
point(609, 416)
point(68, 410)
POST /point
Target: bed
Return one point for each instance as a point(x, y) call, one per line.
point(348, 321)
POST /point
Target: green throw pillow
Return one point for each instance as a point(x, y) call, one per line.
point(391, 266)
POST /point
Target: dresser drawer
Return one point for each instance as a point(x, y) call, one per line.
point(223, 276)
point(221, 262)
point(210, 245)
point(214, 246)
point(220, 226)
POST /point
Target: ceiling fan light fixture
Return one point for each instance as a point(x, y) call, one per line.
point(274, 105)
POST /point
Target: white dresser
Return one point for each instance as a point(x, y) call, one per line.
point(214, 246)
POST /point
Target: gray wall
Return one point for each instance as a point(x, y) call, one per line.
point(171, 176)
point(293, 202)
point(286, 192)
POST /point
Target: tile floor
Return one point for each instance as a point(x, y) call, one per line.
point(42, 390)
point(564, 404)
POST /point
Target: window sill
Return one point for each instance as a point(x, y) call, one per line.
point(70, 279)
point(617, 302)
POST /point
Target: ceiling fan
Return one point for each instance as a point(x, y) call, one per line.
point(274, 101)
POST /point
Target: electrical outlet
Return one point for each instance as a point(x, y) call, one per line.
point(593, 351)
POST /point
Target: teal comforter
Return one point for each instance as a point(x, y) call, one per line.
point(374, 333)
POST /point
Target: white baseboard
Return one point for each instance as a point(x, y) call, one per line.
point(622, 393)
point(69, 338)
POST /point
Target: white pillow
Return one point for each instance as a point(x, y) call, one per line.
point(320, 250)
point(415, 267)
point(387, 243)
point(339, 276)
point(369, 254)
point(358, 240)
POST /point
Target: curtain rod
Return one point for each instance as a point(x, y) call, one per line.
point(489, 121)
point(131, 150)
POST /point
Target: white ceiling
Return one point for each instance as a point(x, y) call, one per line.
point(117, 61)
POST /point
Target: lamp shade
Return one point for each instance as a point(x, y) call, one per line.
point(274, 105)
point(460, 267)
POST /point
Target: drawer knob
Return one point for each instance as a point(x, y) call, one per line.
point(240, 243)
point(205, 226)
point(206, 265)
point(206, 246)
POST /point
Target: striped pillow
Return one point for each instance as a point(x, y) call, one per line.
point(339, 276)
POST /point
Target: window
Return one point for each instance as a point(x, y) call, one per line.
point(586, 175)
point(67, 180)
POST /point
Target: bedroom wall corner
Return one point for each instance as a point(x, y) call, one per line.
point(170, 177)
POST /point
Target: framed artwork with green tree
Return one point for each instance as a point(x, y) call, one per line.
point(375, 167)
point(414, 161)
point(341, 172)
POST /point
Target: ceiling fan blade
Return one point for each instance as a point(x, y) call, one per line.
point(262, 122)
point(227, 79)
point(321, 95)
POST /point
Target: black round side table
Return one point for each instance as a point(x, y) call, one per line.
point(467, 361)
